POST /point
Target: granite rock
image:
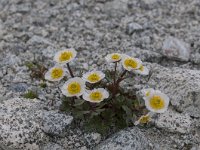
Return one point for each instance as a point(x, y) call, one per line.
point(55, 123)
point(116, 7)
point(172, 121)
point(133, 27)
point(20, 124)
point(181, 85)
point(128, 139)
point(176, 49)
point(52, 146)
point(145, 55)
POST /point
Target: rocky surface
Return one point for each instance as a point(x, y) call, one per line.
point(173, 121)
point(54, 123)
point(174, 48)
point(52, 146)
point(20, 124)
point(131, 138)
point(182, 86)
point(33, 30)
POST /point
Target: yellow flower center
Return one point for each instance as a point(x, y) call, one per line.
point(141, 68)
point(94, 77)
point(56, 73)
point(147, 93)
point(115, 57)
point(156, 102)
point(65, 56)
point(96, 96)
point(131, 63)
point(74, 88)
point(144, 119)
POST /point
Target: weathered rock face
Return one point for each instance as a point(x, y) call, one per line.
point(173, 121)
point(176, 49)
point(181, 85)
point(127, 139)
point(54, 123)
point(145, 55)
point(23, 123)
point(116, 7)
point(133, 27)
point(52, 146)
point(20, 124)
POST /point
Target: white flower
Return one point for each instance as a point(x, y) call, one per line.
point(147, 92)
point(142, 70)
point(96, 95)
point(93, 76)
point(131, 63)
point(65, 56)
point(143, 119)
point(156, 101)
point(114, 57)
point(55, 73)
point(73, 87)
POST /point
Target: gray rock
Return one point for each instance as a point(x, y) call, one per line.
point(195, 58)
point(174, 122)
point(145, 55)
point(116, 7)
point(52, 146)
point(11, 59)
point(133, 27)
point(39, 40)
point(128, 139)
point(149, 4)
point(54, 123)
point(92, 138)
point(196, 147)
point(20, 124)
point(18, 87)
point(24, 8)
point(3, 147)
point(176, 49)
point(181, 85)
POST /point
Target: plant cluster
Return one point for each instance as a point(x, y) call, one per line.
point(97, 98)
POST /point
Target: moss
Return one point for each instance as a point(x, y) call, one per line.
point(30, 95)
point(43, 85)
point(37, 69)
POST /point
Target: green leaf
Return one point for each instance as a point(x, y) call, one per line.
point(30, 95)
point(80, 114)
point(100, 110)
point(127, 110)
point(78, 102)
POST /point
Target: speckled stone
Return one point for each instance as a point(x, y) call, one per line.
point(55, 123)
point(181, 85)
point(128, 139)
point(18, 87)
point(145, 55)
point(133, 27)
point(20, 124)
point(176, 49)
point(92, 138)
point(52, 146)
point(173, 121)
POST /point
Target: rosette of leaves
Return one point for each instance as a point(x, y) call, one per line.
point(116, 112)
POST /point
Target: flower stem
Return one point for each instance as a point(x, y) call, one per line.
point(92, 106)
point(72, 101)
point(70, 70)
point(115, 73)
point(121, 77)
point(115, 86)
